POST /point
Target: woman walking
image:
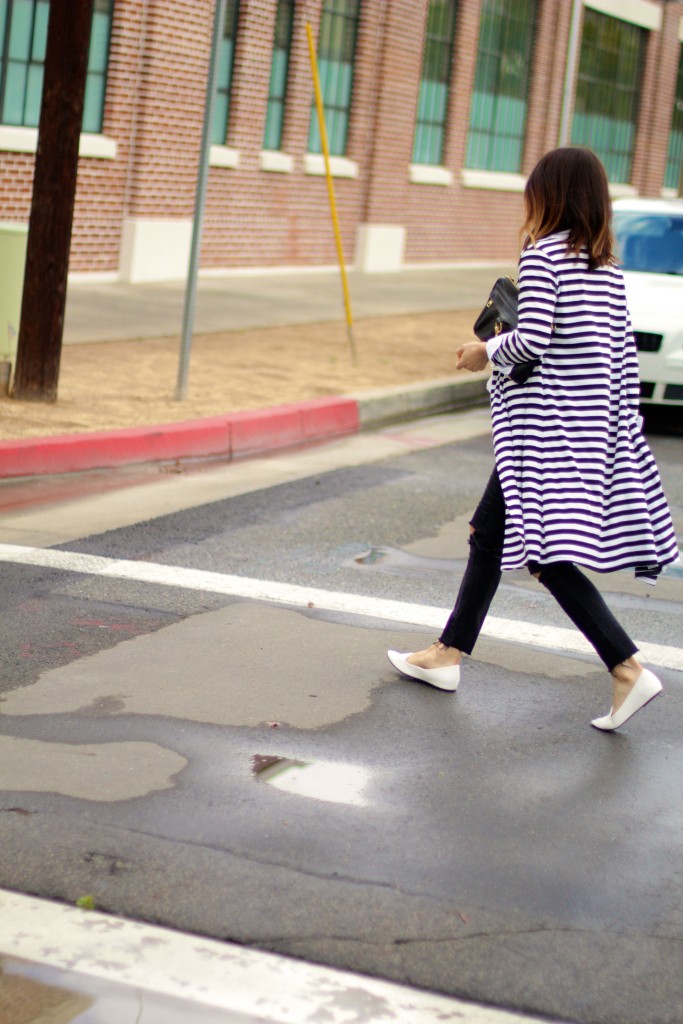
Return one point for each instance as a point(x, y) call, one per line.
point(574, 482)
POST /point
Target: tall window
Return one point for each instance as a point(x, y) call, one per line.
point(284, 20)
point(608, 86)
point(98, 61)
point(226, 59)
point(336, 53)
point(23, 37)
point(495, 141)
point(432, 103)
point(674, 156)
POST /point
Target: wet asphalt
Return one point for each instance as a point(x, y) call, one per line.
point(256, 771)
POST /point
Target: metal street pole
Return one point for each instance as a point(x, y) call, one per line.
point(570, 72)
point(200, 201)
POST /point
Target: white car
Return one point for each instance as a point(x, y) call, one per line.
point(649, 234)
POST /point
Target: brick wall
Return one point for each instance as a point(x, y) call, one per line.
point(16, 181)
point(170, 106)
point(102, 184)
point(455, 222)
point(396, 82)
point(659, 90)
point(154, 111)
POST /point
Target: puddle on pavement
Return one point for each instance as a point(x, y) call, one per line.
point(394, 560)
point(319, 780)
point(31, 993)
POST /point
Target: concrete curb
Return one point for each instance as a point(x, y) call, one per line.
point(429, 398)
point(236, 435)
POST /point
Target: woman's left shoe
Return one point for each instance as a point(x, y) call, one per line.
point(446, 678)
point(644, 689)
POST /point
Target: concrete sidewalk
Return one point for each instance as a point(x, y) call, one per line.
point(114, 312)
point(108, 312)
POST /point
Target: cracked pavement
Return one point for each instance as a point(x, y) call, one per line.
point(257, 772)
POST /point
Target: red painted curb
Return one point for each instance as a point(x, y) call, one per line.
point(232, 436)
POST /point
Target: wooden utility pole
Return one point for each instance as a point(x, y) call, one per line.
point(54, 190)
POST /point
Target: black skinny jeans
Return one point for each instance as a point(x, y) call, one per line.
point(573, 591)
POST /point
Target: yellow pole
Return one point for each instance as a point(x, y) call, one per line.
point(330, 189)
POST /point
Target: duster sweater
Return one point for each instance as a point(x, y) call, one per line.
point(579, 481)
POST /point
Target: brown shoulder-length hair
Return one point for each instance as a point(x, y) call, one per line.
point(568, 191)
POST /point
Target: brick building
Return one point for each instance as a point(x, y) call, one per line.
point(436, 110)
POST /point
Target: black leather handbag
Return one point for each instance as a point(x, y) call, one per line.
point(500, 312)
point(500, 315)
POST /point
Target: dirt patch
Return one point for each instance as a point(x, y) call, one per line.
point(109, 385)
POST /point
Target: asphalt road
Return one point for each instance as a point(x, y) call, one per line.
point(200, 729)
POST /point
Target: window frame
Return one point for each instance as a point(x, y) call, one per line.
point(223, 96)
point(34, 67)
point(618, 161)
point(429, 136)
point(674, 150)
point(272, 137)
point(488, 148)
point(331, 72)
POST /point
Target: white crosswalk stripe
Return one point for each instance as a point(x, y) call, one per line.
point(256, 987)
point(516, 631)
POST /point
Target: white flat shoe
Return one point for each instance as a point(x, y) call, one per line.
point(442, 678)
point(645, 688)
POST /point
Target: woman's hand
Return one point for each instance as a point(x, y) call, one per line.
point(472, 356)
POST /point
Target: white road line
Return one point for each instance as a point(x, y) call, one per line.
point(208, 973)
point(527, 633)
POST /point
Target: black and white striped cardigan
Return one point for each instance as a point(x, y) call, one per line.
point(579, 480)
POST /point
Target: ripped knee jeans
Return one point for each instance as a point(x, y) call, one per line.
point(572, 590)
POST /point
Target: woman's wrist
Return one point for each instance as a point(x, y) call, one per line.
point(492, 346)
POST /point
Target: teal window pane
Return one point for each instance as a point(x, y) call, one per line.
point(34, 93)
point(497, 151)
point(278, 76)
point(482, 111)
point(421, 147)
point(429, 144)
point(511, 117)
point(98, 63)
point(314, 141)
point(39, 41)
point(279, 70)
point(417, 146)
point(476, 148)
point(226, 55)
point(336, 54)
point(98, 56)
point(15, 93)
point(94, 104)
point(422, 106)
point(674, 156)
point(331, 122)
point(329, 83)
point(220, 119)
point(487, 73)
point(608, 90)
point(23, 39)
point(21, 30)
point(438, 97)
point(432, 101)
point(224, 61)
point(498, 108)
point(499, 122)
point(273, 132)
point(344, 82)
